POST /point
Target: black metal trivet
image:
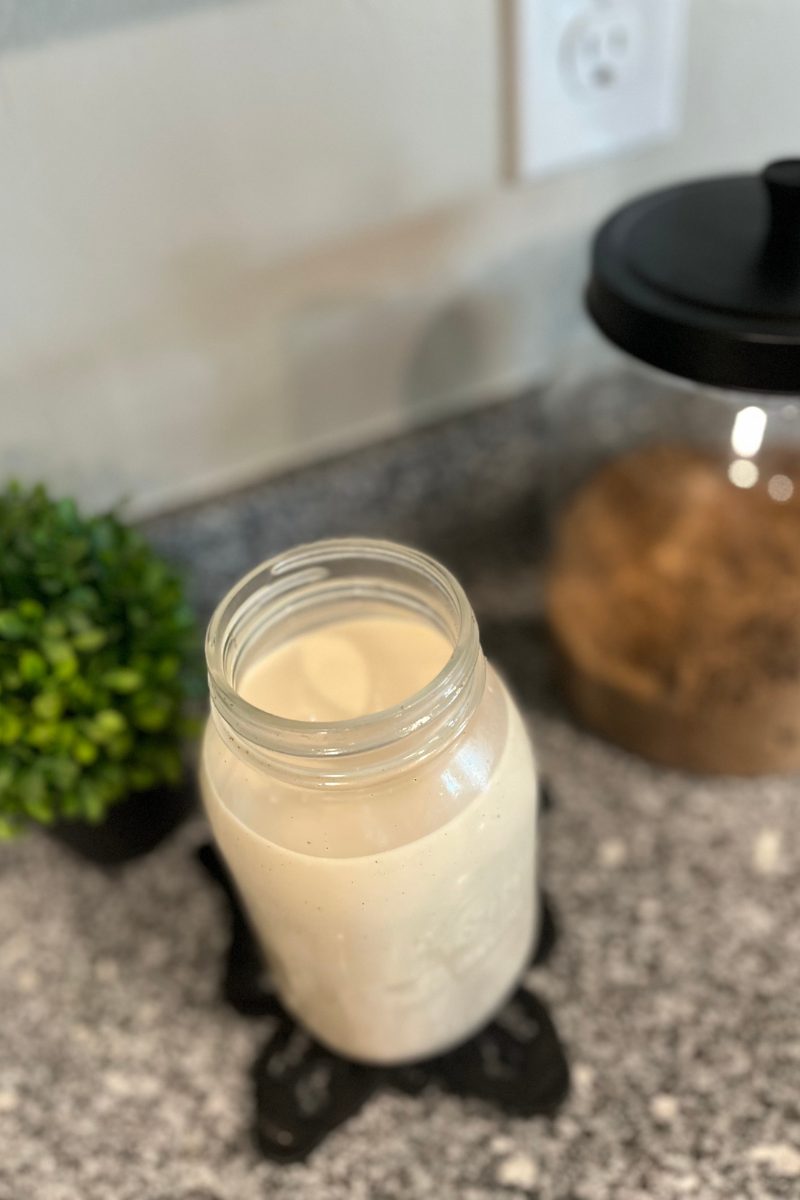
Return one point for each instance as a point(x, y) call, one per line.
point(303, 1091)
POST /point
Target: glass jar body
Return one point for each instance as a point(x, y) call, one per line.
point(673, 582)
point(395, 899)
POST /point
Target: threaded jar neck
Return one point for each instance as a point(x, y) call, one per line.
point(317, 584)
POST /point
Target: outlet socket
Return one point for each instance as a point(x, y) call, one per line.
point(592, 78)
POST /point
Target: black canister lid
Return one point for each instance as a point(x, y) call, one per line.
point(703, 280)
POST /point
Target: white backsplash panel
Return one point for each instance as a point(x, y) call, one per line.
point(243, 236)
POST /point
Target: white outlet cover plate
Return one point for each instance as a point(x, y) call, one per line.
point(594, 77)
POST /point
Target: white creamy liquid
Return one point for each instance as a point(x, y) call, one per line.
point(347, 669)
point(392, 954)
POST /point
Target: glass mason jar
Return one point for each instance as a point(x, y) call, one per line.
point(673, 435)
point(387, 862)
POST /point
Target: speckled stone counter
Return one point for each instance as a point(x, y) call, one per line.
point(675, 984)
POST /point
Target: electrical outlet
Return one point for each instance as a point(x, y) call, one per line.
point(593, 77)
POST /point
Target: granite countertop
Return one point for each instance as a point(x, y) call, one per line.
point(674, 983)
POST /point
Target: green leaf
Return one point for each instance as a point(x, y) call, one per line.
point(54, 628)
point(119, 747)
point(33, 790)
point(10, 827)
point(90, 640)
point(10, 727)
point(62, 772)
point(142, 778)
point(32, 667)
point(168, 667)
point(171, 764)
point(70, 805)
point(66, 737)
point(106, 725)
point(57, 650)
point(153, 712)
point(112, 778)
point(41, 811)
point(42, 734)
point(12, 627)
point(63, 658)
point(81, 691)
point(123, 680)
point(84, 597)
point(192, 727)
point(183, 617)
point(104, 535)
point(30, 610)
point(52, 587)
point(67, 512)
point(85, 752)
point(48, 706)
point(66, 670)
point(74, 549)
point(91, 800)
point(138, 616)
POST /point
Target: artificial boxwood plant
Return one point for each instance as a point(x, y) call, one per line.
point(97, 651)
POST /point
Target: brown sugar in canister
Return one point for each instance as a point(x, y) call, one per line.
point(674, 602)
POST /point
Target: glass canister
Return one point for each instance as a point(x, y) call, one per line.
point(673, 580)
point(387, 861)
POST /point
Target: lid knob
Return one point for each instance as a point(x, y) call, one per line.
point(782, 249)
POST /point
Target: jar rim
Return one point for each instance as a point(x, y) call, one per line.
point(430, 715)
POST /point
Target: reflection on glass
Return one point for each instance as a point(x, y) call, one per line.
point(743, 473)
point(748, 434)
point(780, 487)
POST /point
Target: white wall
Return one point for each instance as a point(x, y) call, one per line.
point(240, 237)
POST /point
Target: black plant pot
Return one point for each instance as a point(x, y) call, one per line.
point(133, 826)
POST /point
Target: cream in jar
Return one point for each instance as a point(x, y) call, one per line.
point(372, 788)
